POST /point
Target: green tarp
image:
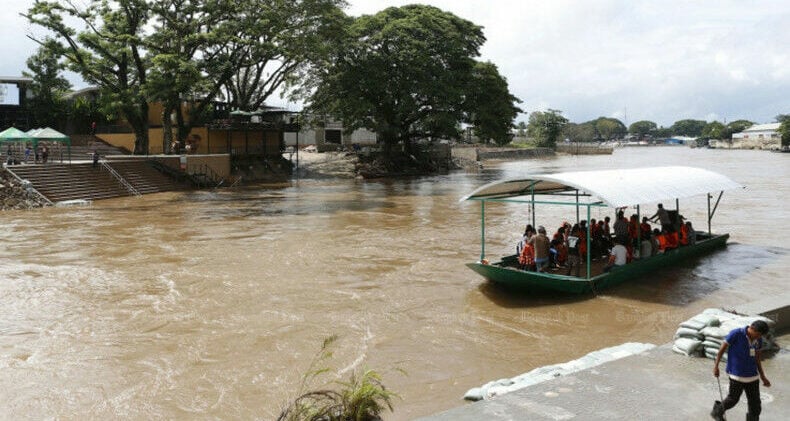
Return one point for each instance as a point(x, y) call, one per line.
point(12, 134)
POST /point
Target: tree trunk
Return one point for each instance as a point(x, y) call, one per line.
point(167, 130)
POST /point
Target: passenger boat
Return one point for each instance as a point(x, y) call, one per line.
point(586, 190)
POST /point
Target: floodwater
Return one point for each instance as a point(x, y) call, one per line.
point(212, 305)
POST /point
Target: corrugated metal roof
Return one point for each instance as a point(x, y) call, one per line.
point(763, 127)
point(616, 188)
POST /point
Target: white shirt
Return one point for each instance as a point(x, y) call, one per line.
point(620, 254)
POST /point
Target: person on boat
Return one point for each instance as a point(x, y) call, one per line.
point(595, 245)
point(660, 241)
point(644, 228)
point(618, 256)
point(621, 228)
point(528, 232)
point(690, 233)
point(662, 216)
point(541, 244)
point(646, 248)
point(583, 240)
point(744, 367)
point(558, 248)
point(573, 250)
point(673, 239)
point(633, 235)
point(525, 251)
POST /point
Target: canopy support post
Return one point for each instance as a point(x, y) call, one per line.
point(532, 204)
point(482, 230)
point(712, 212)
point(588, 242)
point(577, 206)
point(638, 232)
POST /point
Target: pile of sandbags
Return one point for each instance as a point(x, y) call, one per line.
point(703, 334)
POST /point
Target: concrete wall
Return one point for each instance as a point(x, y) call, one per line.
point(583, 149)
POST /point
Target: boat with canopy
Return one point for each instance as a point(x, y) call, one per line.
point(587, 190)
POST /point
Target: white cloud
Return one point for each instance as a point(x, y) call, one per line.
point(660, 60)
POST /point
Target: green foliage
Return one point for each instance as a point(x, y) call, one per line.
point(738, 126)
point(581, 132)
point(363, 398)
point(713, 130)
point(688, 127)
point(490, 106)
point(642, 128)
point(784, 128)
point(610, 128)
point(408, 73)
point(522, 129)
point(545, 127)
point(663, 132)
point(47, 106)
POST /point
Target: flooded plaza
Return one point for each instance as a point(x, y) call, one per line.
point(211, 304)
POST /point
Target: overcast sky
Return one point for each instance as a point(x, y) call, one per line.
point(630, 59)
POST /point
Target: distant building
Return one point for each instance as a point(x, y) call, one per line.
point(327, 134)
point(758, 136)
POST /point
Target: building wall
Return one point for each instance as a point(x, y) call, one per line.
point(316, 137)
point(215, 142)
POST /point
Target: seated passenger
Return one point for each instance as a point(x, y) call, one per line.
point(660, 240)
point(673, 240)
point(618, 257)
point(573, 250)
point(528, 232)
point(692, 235)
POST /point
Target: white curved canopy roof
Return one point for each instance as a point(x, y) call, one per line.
point(616, 188)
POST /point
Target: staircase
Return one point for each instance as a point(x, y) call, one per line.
point(144, 177)
point(58, 182)
point(82, 146)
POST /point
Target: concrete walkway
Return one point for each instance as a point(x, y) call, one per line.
point(655, 385)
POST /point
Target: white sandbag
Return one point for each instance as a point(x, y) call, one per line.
point(718, 333)
point(707, 319)
point(707, 343)
point(685, 332)
point(474, 394)
point(687, 346)
point(693, 324)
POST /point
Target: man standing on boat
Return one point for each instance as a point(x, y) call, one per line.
point(663, 216)
point(743, 365)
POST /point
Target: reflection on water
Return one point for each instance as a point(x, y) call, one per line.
point(212, 303)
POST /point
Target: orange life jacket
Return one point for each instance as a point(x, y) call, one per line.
point(662, 241)
point(684, 235)
point(673, 240)
point(527, 256)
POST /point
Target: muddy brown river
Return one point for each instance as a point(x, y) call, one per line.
point(211, 304)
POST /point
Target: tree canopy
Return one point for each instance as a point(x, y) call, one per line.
point(642, 128)
point(610, 128)
point(714, 130)
point(784, 128)
point(545, 127)
point(47, 105)
point(688, 127)
point(175, 51)
point(409, 73)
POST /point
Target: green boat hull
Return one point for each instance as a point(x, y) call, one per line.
point(511, 277)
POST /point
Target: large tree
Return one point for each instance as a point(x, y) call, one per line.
point(688, 127)
point(407, 73)
point(610, 128)
point(642, 128)
point(47, 106)
point(545, 127)
point(580, 132)
point(107, 51)
point(490, 107)
point(714, 130)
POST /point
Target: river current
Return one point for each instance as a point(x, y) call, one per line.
point(212, 304)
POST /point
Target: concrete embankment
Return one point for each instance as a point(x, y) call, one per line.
point(656, 384)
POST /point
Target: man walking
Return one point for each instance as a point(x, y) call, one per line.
point(744, 368)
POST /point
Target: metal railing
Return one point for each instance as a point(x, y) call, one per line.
point(120, 179)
